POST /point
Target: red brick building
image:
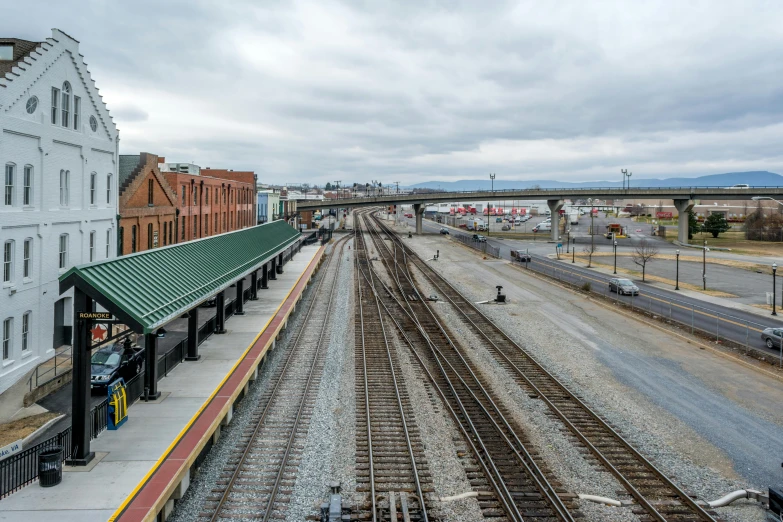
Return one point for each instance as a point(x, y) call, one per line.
point(208, 205)
point(147, 205)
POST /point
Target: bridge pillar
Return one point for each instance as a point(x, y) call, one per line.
point(554, 213)
point(683, 206)
point(418, 213)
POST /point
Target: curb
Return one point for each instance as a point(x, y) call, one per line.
point(40, 430)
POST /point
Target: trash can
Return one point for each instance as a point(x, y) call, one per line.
point(50, 467)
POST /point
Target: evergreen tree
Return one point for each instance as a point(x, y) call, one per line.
point(715, 224)
point(693, 224)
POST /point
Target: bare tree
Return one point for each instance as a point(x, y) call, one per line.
point(590, 250)
point(660, 205)
point(643, 252)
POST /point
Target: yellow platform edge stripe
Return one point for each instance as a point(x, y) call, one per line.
point(196, 415)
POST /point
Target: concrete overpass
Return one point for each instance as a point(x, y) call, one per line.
point(683, 198)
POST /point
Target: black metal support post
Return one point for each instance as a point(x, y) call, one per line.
point(151, 367)
point(240, 302)
point(254, 286)
point(573, 252)
point(677, 277)
point(280, 262)
point(774, 298)
point(193, 336)
point(273, 270)
point(80, 387)
point(220, 313)
point(615, 257)
point(264, 276)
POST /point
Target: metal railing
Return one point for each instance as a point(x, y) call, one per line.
point(662, 306)
point(21, 469)
point(51, 369)
point(481, 246)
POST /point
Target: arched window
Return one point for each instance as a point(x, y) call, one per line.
point(149, 236)
point(133, 239)
point(66, 105)
point(27, 185)
point(165, 229)
point(8, 191)
point(93, 187)
point(150, 192)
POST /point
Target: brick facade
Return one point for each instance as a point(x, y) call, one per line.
point(211, 205)
point(147, 206)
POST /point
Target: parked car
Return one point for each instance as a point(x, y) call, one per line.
point(479, 238)
point(505, 227)
point(623, 287)
point(408, 215)
point(541, 227)
point(498, 220)
point(114, 361)
point(772, 337)
point(463, 225)
point(444, 231)
point(521, 256)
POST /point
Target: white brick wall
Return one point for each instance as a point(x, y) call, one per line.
point(31, 139)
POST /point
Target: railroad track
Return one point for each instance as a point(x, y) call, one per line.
point(522, 487)
point(261, 471)
point(656, 496)
point(391, 465)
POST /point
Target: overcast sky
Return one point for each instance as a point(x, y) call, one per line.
point(353, 91)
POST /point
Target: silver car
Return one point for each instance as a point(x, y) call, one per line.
point(772, 337)
point(623, 287)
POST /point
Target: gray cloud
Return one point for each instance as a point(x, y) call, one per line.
point(409, 91)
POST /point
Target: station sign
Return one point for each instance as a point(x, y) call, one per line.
point(663, 215)
point(96, 316)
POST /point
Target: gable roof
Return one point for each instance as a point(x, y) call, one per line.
point(22, 48)
point(149, 289)
point(128, 163)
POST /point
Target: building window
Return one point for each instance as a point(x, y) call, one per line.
point(206, 196)
point(27, 192)
point(223, 228)
point(171, 231)
point(55, 104)
point(26, 319)
point(133, 239)
point(8, 261)
point(215, 228)
point(8, 193)
point(150, 193)
point(108, 243)
point(77, 109)
point(183, 228)
point(195, 195)
point(149, 236)
point(108, 189)
point(7, 329)
point(92, 246)
point(32, 104)
point(165, 223)
point(27, 258)
point(65, 176)
point(93, 123)
point(183, 196)
point(93, 183)
point(121, 245)
point(66, 108)
point(206, 223)
point(63, 250)
point(195, 228)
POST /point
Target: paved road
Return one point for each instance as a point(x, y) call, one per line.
point(726, 323)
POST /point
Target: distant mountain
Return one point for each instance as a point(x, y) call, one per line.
point(754, 179)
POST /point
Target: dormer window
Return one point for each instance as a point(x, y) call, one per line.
point(6, 52)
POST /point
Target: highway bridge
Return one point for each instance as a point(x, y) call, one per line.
point(683, 197)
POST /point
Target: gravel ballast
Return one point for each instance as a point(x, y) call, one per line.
point(576, 351)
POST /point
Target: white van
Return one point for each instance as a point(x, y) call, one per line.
point(543, 227)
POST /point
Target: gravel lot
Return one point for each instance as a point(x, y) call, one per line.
point(545, 320)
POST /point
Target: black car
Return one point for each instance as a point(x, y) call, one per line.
point(623, 287)
point(444, 231)
point(114, 361)
point(521, 256)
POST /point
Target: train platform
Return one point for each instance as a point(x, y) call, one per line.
point(140, 468)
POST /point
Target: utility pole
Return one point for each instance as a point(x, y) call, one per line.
point(398, 186)
point(338, 189)
point(489, 222)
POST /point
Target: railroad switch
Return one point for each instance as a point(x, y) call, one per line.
point(501, 298)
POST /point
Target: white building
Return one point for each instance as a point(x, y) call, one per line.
point(58, 152)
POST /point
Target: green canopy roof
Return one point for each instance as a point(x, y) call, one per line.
point(148, 289)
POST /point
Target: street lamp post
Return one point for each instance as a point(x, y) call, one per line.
point(568, 242)
point(628, 184)
point(774, 269)
point(623, 172)
point(615, 256)
point(704, 266)
point(573, 252)
point(677, 279)
point(489, 221)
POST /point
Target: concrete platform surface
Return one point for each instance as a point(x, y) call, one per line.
point(133, 451)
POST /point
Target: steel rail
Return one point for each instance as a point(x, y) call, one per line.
point(259, 424)
point(419, 490)
point(532, 469)
point(638, 496)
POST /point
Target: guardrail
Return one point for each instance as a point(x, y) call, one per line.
point(661, 306)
